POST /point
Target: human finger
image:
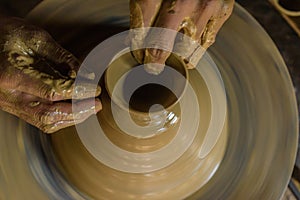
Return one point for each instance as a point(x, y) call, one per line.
point(161, 41)
point(216, 22)
point(46, 115)
point(52, 117)
point(208, 21)
point(46, 87)
point(142, 15)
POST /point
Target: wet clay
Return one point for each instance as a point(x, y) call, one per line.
point(102, 182)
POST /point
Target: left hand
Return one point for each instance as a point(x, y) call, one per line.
point(37, 78)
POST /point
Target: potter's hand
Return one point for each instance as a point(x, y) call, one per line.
point(200, 20)
point(37, 75)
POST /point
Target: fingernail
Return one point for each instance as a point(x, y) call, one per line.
point(98, 105)
point(156, 55)
point(98, 91)
point(155, 60)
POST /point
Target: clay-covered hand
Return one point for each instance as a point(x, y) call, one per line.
point(37, 77)
point(199, 20)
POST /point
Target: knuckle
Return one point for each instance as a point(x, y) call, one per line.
point(9, 99)
point(38, 38)
point(39, 116)
point(46, 92)
point(10, 80)
point(64, 55)
point(41, 34)
point(46, 117)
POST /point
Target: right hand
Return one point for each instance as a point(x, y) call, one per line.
point(199, 20)
point(37, 77)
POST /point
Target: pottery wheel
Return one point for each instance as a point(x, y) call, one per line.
point(242, 91)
